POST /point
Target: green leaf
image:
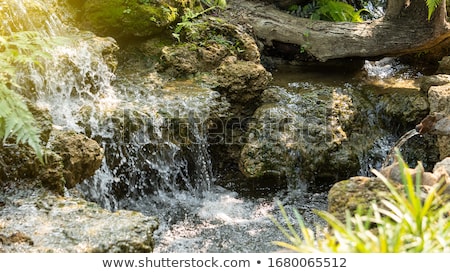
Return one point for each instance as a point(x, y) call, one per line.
point(432, 5)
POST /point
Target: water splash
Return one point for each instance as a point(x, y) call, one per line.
point(383, 68)
point(155, 141)
point(376, 8)
point(29, 15)
point(154, 137)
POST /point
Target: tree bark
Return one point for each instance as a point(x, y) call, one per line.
point(403, 30)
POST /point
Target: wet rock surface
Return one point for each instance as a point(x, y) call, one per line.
point(360, 192)
point(306, 136)
point(81, 156)
point(40, 221)
point(439, 98)
point(409, 106)
point(70, 158)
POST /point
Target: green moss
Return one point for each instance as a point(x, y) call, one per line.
point(119, 18)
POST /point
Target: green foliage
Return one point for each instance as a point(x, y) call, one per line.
point(432, 5)
point(16, 120)
point(405, 222)
point(336, 11)
point(328, 10)
point(17, 51)
point(193, 9)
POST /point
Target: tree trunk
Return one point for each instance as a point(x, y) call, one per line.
point(403, 30)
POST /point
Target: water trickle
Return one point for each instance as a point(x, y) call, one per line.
point(374, 158)
point(389, 67)
point(400, 142)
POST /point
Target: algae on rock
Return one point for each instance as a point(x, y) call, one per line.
point(133, 18)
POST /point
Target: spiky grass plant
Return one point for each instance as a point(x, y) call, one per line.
point(407, 220)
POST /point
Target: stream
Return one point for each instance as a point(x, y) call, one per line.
point(157, 156)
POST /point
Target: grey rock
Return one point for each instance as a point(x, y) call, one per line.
point(40, 221)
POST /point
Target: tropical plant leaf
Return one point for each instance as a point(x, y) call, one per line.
point(19, 50)
point(337, 11)
point(432, 5)
point(18, 120)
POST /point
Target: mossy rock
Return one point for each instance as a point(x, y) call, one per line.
point(132, 18)
point(408, 107)
point(306, 136)
point(20, 169)
point(356, 193)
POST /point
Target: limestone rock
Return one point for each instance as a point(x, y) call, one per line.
point(360, 192)
point(408, 107)
point(439, 98)
point(80, 155)
point(242, 82)
point(303, 136)
point(444, 65)
point(40, 221)
point(433, 80)
point(444, 164)
point(355, 193)
point(207, 50)
point(72, 157)
point(21, 168)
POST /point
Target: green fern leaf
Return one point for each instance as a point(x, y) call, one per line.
point(18, 121)
point(432, 5)
point(18, 50)
point(336, 11)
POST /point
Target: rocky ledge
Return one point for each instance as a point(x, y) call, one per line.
point(40, 221)
point(40, 210)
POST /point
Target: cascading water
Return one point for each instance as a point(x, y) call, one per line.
point(155, 138)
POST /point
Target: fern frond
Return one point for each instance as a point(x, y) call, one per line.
point(16, 51)
point(16, 120)
point(432, 5)
point(337, 11)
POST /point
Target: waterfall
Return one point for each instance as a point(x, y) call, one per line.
point(155, 139)
point(154, 135)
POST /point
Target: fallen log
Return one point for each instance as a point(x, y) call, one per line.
point(405, 29)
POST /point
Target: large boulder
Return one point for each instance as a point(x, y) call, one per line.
point(72, 157)
point(81, 156)
point(40, 221)
point(310, 136)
